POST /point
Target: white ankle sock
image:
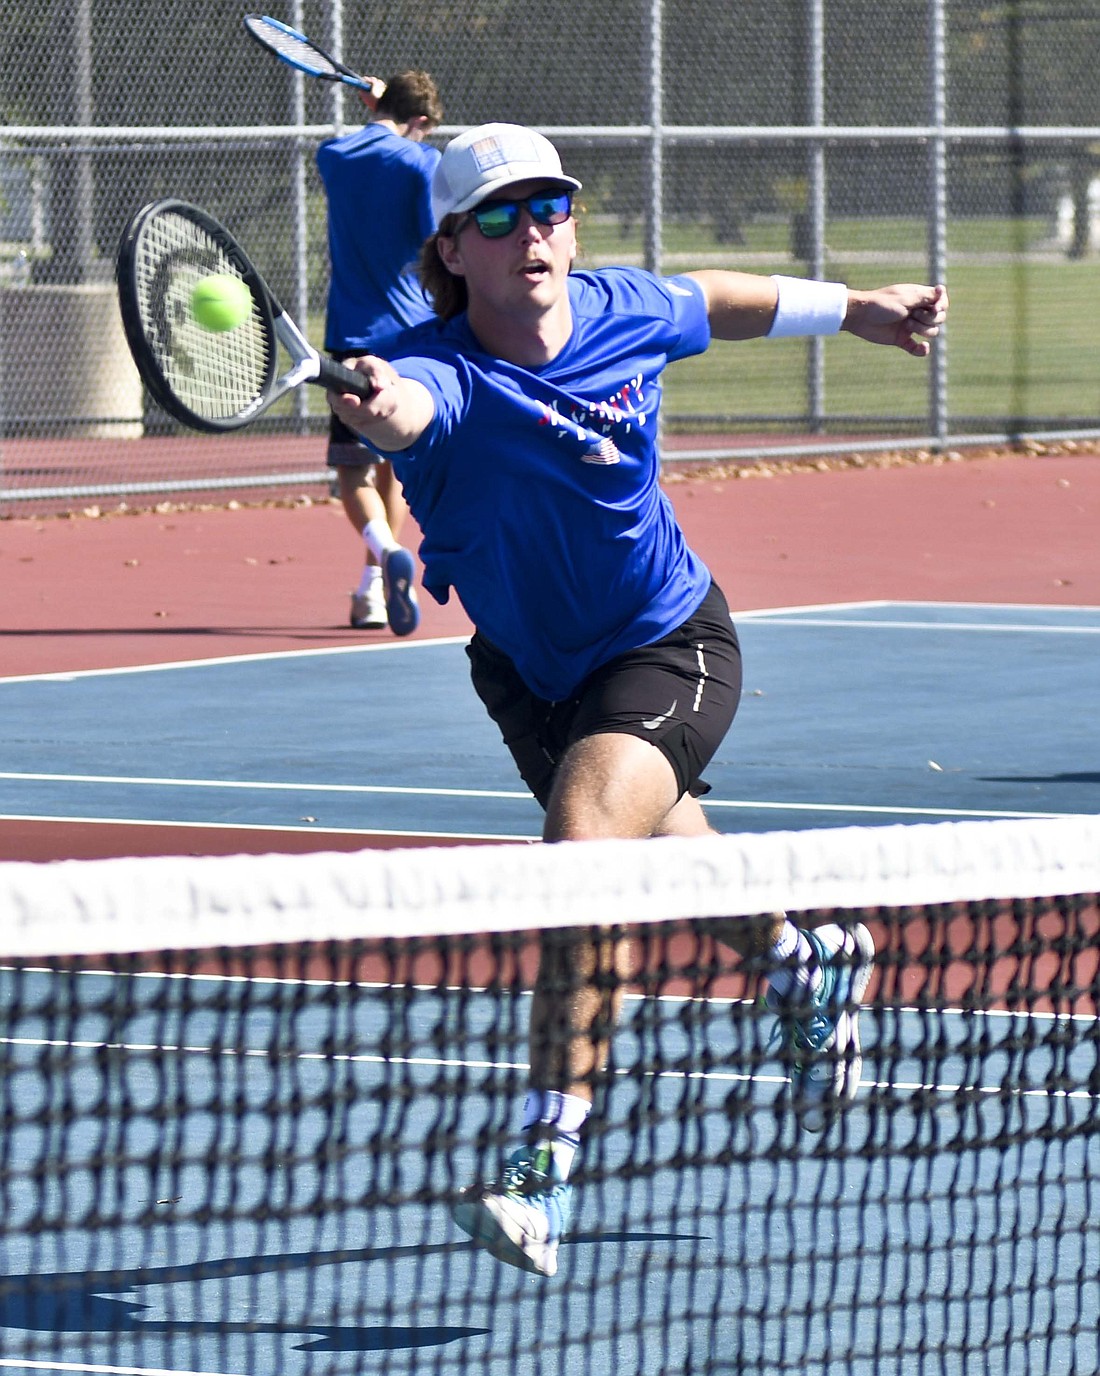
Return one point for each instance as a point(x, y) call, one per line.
point(564, 1115)
point(370, 575)
point(378, 538)
point(795, 971)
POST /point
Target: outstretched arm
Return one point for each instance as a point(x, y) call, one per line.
point(395, 415)
point(744, 305)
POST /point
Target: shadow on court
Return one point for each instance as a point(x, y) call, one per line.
point(1076, 778)
point(91, 1301)
point(81, 1302)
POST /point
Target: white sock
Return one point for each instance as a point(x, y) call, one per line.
point(796, 973)
point(564, 1115)
point(378, 538)
point(371, 574)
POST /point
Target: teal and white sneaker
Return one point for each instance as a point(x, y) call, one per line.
point(822, 1035)
point(521, 1217)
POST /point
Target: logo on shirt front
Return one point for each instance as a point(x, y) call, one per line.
point(595, 423)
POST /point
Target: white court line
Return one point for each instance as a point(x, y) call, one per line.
point(267, 785)
point(1043, 608)
point(622, 1072)
point(801, 616)
point(318, 829)
point(818, 607)
point(93, 1370)
point(433, 1063)
point(779, 614)
point(871, 809)
point(460, 1063)
point(70, 675)
point(509, 795)
point(976, 626)
point(629, 996)
point(793, 615)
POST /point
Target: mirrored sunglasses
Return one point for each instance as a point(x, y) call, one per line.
point(495, 219)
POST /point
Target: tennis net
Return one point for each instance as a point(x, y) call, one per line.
point(239, 1097)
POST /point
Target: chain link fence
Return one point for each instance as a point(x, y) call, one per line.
point(926, 140)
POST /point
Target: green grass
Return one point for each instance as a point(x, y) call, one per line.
point(1021, 343)
point(602, 237)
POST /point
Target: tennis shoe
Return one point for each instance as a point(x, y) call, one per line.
point(822, 1034)
point(520, 1218)
point(399, 580)
point(368, 609)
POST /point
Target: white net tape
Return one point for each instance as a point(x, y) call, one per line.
point(100, 906)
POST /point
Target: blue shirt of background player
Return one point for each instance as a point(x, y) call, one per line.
point(378, 187)
point(538, 492)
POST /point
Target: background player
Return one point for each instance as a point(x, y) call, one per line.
point(378, 186)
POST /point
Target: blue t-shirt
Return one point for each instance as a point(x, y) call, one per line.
point(537, 491)
point(378, 186)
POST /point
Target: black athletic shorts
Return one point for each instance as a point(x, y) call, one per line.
point(680, 693)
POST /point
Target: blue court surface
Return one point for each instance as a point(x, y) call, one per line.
point(851, 715)
point(744, 1246)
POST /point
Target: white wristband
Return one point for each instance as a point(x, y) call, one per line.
point(808, 307)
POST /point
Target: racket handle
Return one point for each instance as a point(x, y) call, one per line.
point(336, 378)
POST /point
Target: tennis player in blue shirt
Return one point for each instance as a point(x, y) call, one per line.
point(522, 423)
point(378, 187)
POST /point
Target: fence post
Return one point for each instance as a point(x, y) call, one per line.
point(937, 210)
point(300, 228)
point(816, 207)
point(339, 90)
point(654, 220)
point(71, 188)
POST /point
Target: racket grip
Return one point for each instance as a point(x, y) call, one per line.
point(336, 378)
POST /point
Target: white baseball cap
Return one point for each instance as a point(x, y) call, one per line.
point(489, 158)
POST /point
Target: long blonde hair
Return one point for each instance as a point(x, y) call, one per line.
point(446, 292)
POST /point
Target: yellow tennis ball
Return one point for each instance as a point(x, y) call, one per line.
point(221, 302)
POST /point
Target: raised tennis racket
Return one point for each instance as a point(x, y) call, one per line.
point(294, 48)
point(209, 379)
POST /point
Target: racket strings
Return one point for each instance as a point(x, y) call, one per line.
point(294, 49)
point(216, 375)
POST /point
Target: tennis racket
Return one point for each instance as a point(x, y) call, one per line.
point(209, 380)
point(301, 53)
